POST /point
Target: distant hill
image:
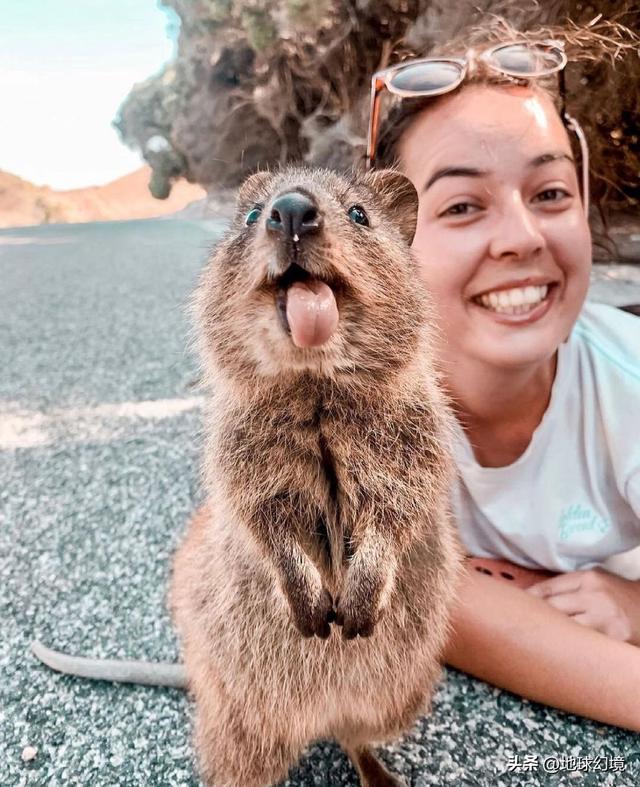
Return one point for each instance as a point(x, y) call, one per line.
point(22, 203)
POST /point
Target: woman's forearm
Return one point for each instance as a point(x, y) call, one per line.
point(517, 642)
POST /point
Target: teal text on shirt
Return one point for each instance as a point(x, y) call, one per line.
point(579, 518)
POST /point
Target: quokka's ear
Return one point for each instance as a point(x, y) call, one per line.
point(255, 187)
point(397, 195)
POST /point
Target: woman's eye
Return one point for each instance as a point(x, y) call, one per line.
point(253, 215)
point(551, 195)
point(358, 216)
point(460, 209)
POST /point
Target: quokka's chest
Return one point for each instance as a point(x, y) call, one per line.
point(330, 440)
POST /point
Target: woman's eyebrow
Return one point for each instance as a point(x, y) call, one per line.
point(545, 158)
point(455, 172)
point(472, 172)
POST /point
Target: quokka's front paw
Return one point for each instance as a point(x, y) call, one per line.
point(313, 616)
point(360, 605)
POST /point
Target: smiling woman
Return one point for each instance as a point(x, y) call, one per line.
point(504, 190)
point(545, 387)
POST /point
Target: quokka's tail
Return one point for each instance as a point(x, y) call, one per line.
point(147, 673)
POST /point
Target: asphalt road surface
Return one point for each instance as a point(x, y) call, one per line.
point(99, 444)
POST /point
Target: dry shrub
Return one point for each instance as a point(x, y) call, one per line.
point(264, 81)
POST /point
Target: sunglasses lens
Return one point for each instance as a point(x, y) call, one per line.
point(424, 78)
point(527, 59)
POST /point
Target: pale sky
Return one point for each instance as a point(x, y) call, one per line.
point(65, 67)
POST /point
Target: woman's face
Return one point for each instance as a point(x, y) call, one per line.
point(502, 240)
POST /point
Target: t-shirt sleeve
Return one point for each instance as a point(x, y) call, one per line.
point(633, 493)
point(610, 339)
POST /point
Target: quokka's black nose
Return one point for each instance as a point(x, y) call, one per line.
point(294, 215)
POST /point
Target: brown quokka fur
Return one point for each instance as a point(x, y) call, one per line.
point(311, 592)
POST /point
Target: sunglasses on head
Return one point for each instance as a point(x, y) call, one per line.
point(434, 76)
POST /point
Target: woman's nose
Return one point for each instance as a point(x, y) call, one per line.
point(519, 235)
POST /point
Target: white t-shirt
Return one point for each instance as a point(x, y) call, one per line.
point(572, 499)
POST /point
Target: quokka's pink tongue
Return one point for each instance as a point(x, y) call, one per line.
point(312, 312)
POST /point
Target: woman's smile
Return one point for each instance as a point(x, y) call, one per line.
point(516, 306)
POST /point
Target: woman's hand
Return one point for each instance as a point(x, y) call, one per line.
point(595, 598)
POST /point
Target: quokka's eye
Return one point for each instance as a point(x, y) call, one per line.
point(253, 215)
point(358, 216)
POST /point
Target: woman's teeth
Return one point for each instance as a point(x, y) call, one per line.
point(516, 301)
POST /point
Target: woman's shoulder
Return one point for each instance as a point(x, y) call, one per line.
point(611, 337)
